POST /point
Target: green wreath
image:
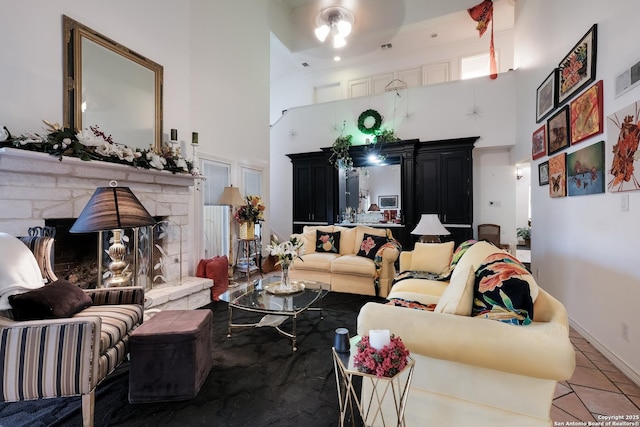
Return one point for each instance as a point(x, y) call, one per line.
point(376, 125)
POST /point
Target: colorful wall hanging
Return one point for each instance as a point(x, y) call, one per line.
point(585, 170)
point(623, 137)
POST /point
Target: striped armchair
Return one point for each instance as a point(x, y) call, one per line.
point(69, 356)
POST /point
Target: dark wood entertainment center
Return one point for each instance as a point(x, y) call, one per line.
point(437, 177)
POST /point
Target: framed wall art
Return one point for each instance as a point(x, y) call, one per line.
point(543, 173)
point(623, 140)
point(558, 175)
point(558, 131)
point(388, 202)
point(585, 170)
point(578, 68)
point(546, 96)
point(539, 143)
point(585, 114)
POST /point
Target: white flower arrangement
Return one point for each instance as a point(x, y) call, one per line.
point(287, 251)
point(93, 144)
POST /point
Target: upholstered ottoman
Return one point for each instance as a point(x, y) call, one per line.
point(170, 356)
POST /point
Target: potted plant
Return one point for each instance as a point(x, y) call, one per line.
point(386, 135)
point(340, 155)
point(525, 234)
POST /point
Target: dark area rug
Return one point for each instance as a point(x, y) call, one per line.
point(256, 380)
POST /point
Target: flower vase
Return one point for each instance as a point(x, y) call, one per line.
point(247, 230)
point(285, 282)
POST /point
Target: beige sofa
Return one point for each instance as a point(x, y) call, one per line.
point(472, 370)
point(346, 271)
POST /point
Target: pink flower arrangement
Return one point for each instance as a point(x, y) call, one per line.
point(386, 362)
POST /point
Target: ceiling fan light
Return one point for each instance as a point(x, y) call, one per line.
point(338, 41)
point(322, 32)
point(344, 28)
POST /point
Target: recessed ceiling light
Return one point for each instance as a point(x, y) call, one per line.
point(336, 58)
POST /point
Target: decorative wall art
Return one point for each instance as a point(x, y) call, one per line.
point(539, 143)
point(586, 114)
point(578, 68)
point(623, 137)
point(546, 96)
point(543, 173)
point(388, 202)
point(585, 170)
point(558, 131)
point(558, 175)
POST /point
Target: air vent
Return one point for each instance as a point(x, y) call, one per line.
point(305, 65)
point(386, 46)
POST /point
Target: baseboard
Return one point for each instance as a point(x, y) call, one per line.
point(624, 368)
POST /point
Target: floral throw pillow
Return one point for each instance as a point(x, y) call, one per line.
point(457, 254)
point(370, 245)
point(327, 242)
point(501, 291)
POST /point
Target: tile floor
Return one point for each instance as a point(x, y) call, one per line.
point(596, 388)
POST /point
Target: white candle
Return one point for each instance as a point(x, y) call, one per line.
point(378, 338)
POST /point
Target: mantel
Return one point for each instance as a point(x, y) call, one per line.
point(25, 161)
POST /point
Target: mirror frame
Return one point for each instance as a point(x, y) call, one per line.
point(73, 32)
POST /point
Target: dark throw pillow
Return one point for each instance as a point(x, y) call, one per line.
point(370, 245)
point(327, 242)
point(501, 293)
point(55, 300)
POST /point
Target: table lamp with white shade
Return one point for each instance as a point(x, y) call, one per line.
point(232, 198)
point(430, 228)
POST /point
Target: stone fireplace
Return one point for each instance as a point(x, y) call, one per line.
point(36, 188)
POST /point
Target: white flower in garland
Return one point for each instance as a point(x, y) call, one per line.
point(89, 139)
point(182, 164)
point(156, 161)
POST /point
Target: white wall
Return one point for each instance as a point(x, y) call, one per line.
point(296, 87)
point(434, 112)
point(494, 191)
point(208, 87)
point(584, 249)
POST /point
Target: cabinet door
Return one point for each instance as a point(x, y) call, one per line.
point(311, 192)
point(319, 192)
point(456, 188)
point(302, 197)
point(427, 189)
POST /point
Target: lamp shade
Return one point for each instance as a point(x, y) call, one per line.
point(231, 197)
point(430, 225)
point(112, 208)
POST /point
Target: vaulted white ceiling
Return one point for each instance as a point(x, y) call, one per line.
point(409, 25)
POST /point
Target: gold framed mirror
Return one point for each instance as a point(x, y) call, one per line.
point(110, 86)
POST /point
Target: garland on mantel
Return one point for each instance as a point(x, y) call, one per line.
point(93, 144)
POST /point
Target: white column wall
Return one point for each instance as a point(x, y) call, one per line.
point(584, 249)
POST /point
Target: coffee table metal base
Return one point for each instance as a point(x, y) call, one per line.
point(291, 335)
point(260, 297)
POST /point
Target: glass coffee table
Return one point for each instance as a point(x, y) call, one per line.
point(263, 297)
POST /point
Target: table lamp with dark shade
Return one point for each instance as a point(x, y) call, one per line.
point(113, 209)
point(430, 228)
